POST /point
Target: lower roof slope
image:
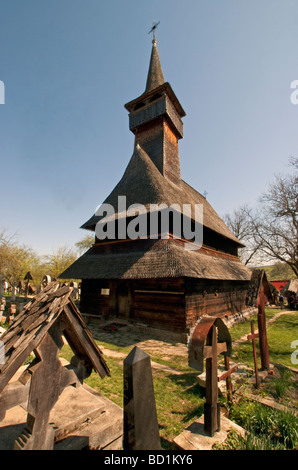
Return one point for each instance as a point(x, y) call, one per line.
point(165, 259)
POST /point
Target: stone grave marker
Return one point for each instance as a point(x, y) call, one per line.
point(140, 418)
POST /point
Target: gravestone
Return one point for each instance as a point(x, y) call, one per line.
point(2, 307)
point(75, 292)
point(13, 292)
point(2, 285)
point(140, 418)
point(46, 280)
point(28, 278)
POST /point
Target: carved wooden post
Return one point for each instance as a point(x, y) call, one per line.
point(253, 337)
point(140, 418)
point(263, 342)
point(227, 376)
point(211, 408)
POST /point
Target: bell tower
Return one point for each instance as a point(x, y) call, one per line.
point(155, 119)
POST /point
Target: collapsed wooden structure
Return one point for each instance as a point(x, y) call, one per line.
point(165, 281)
point(41, 329)
point(258, 295)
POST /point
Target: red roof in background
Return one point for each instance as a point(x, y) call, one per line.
point(279, 284)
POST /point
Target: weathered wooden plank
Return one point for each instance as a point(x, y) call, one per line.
point(78, 342)
point(208, 350)
point(14, 394)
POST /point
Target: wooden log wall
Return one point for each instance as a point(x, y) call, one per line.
point(169, 304)
point(158, 303)
point(92, 301)
point(216, 298)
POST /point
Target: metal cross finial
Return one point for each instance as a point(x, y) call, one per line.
point(152, 30)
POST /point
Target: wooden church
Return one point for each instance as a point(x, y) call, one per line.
point(156, 281)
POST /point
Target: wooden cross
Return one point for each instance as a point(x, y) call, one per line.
point(253, 337)
point(227, 376)
point(154, 27)
point(48, 379)
point(211, 406)
point(263, 342)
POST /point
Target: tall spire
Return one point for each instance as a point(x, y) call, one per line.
point(155, 119)
point(155, 76)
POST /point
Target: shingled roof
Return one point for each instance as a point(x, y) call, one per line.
point(32, 324)
point(155, 75)
point(258, 278)
point(165, 259)
point(142, 183)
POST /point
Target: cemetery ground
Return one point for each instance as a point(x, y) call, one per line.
point(268, 414)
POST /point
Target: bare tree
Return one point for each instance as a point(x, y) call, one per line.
point(240, 223)
point(275, 226)
point(270, 232)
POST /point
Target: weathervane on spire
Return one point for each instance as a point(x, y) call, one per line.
point(152, 30)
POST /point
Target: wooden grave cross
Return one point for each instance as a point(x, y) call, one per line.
point(211, 408)
point(210, 337)
point(28, 278)
point(253, 336)
point(227, 376)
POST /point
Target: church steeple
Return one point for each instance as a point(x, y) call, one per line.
point(155, 119)
point(155, 76)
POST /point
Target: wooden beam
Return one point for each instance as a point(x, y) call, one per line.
point(228, 373)
point(253, 337)
point(208, 351)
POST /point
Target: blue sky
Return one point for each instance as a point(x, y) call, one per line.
point(69, 66)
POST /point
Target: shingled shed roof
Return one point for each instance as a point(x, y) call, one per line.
point(142, 183)
point(32, 324)
point(291, 286)
point(165, 258)
point(257, 279)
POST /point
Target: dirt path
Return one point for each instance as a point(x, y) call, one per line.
point(144, 345)
point(243, 339)
point(125, 337)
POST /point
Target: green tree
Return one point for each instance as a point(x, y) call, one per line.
point(16, 260)
point(84, 244)
point(59, 261)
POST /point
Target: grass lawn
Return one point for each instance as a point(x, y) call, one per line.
point(179, 399)
point(280, 333)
